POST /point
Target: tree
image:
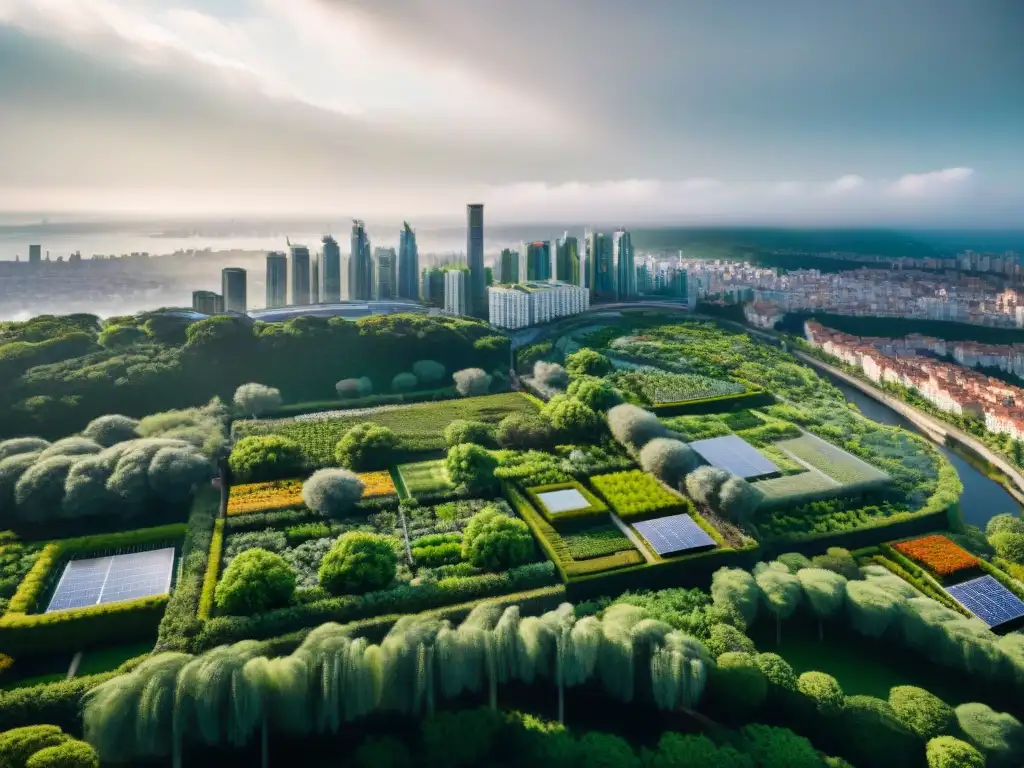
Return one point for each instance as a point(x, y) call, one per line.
point(471, 466)
point(871, 734)
point(471, 382)
point(40, 489)
point(779, 748)
point(634, 427)
point(1008, 544)
point(824, 692)
point(723, 638)
point(495, 541)
point(461, 431)
point(871, 608)
point(949, 752)
point(255, 581)
point(794, 561)
point(587, 362)
point(358, 562)
point(736, 590)
point(1004, 523)
point(365, 446)
point(175, 473)
point(349, 388)
point(605, 750)
point(997, 735)
point(922, 712)
point(839, 561)
point(825, 592)
point(523, 432)
point(738, 687)
point(429, 371)
point(667, 459)
point(71, 446)
point(776, 670)
point(259, 458)
point(404, 382)
point(121, 336)
point(571, 418)
point(781, 592)
point(71, 754)
point(704, 485)
point(597, 394)
point(677, 750)
point(256, 399)
point(21, 445)
point(332, 492)
point(550, 374)
point(737, 500)
point(111, 429)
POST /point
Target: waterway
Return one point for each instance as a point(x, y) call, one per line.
point(983, 497)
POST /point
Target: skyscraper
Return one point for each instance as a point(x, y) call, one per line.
point(408, 264)
point(300, 275)
point(600, 266)
point(277, 279)
point(625, 269)
point(477, 290)
point(508, 266)
point(233, 289)
point(386, 279)
point(360, 264)
point(330, 271)
point(314, 281)
point(567, 260)
point(456, 288)
point(536, 258)
point(207, 302)
point(35, 254)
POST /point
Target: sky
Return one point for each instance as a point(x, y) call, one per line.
point(670, 111)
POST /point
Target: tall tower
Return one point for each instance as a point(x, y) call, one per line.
point(625, 269)
point(600, 266)
point(385, 262)
point(277, 279)
point(314, 280)
point(300, 275)
point(360, 264)
point(508, 267)
point(567, 260)
point(330, 271)
point(535, 261)
point(233, 289)
point(477, 289)
point(408, 264)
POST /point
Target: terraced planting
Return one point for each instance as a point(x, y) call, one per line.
point(423, 477)
point(661, 388)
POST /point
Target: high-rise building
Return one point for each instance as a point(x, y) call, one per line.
point(300, 275)
point(277, 279)
point(408, 264)
point(567, 260)
point(35, 254)
point(600, 266)
point(456, 287)
point(360, 264)
point(207, 302)
point(508, 266)
point(314, 281)
point(625, 269)
point(386, 279)
point(330, 271)
point(537, 259)
point(524, 304)
point(233, 289)
point(432, 286)
point(477, 291)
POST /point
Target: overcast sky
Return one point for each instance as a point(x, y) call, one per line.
point(711, 111)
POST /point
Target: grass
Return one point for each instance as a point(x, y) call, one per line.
point(107, 659)
point(596, 542)
point(786, 463)
point(833, 461)
point(418, 427)
point(423, 477)
point(790, 488)
point(634, 494)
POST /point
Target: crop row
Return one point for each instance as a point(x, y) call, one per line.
point(835, 462)
point(659, 387)
point(633, 494)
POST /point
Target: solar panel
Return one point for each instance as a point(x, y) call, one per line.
point(672, 534)
point(987, 599)
point(735, 455)
point(113, 579)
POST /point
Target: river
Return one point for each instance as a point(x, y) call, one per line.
point(983, 497)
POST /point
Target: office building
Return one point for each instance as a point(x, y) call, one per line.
point(456, 287)
point(508, 266)
point(567, 260)
point(233, 289)
point(300, 275)
point(35, 254)
point(600, 266)
point(386, 278)
point(531, 303)
point(537, 260)
point(330, 271)
point(360, 264)
point(207, 302)
point(314, 281)
point(624, 265)
point(277, 279)
point(408, 264)
point(475, 258)
point(432, 286)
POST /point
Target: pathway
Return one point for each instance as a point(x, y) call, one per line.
point(629, 534)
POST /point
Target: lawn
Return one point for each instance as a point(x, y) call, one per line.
point(635, 494)
point(419, 427)
point(423, 477)
point(841, 466)
point(796, 489)
point(106, 659)
point(660, 388)
point(598, 541)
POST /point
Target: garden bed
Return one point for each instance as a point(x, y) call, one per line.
point(566, 503)
point(636, 495)
point(424, 478)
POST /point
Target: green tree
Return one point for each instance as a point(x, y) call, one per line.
point(922, 712)
point(825, 592)
point(779, 748)
point(571, 418)
point(366, 446)
point(1009, 545)
point(495, 541)
point(824, 692)
point(22, 445)
point(524, 432)
point(383, 752)
point(997, 735)
point(429, 371)
point(357, 563)
point(677, 750)
point(471, 466)
point(259, 458)
point(871, 734)
point(605, 750)
point(120, 336)
point(668, 460)
point(255, 581)
point(949, 752)
point(256, 399)
point(736, 591)
point(404, 382)
point(737, 686)
point(737, 500)
point(462, 431)
point(111, 429)
point(587, 362)
point(458, 739)
point(597, 394)
point(332, 492)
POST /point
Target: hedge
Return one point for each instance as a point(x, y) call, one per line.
point(595, 506)
point(370, 401)
point(913, 577)
point(212, 571)
point(716, 404)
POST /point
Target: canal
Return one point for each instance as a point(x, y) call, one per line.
point(983, 497)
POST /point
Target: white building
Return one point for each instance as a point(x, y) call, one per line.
point(524, 304)
point(455, 287)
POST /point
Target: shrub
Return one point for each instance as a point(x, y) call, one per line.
point(1004, 523)
point(776, 670)
point(496, 541)
point(22, 445)
point(40, 489)
point(838, 560)
point(260, 458)
point(779, 748)
point(633, 494)
point(255, 581)
point(550, 374)
point(823, 690)
point(704, 485)
point(111, 429)
point(352, 388)
point(737, 685)
point(725, 638)
point(471, 466)
point(871, 734)
point(19, 744)
point(737, 500)
point(922, 712)
point(998, 735)
point(428, 371)
point(256, 399)
point(596, 394)
point(794, 561)
point(462, 431)
point(404, 382)
point(71, 754)
point(571, 418)
point(633, 426)
point(523, 432)
point(736, 591)
point(668, 460)
point(384, 752)
point(332, 492)
point(949, 752)
point(676, 750)
point(71, 446)
point(470, 382)
point(357, 563)
point(1008, 545)
point(587, 362)
point(365, 446)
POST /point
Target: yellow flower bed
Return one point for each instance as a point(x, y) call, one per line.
point(377, 484)
point(263, 497)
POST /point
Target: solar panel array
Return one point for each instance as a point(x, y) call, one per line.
point(673, 534)
point(987, 599)
point(113, 579)
point(734, 454)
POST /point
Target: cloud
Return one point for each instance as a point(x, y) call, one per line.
point(845, 184)
point(935, 182)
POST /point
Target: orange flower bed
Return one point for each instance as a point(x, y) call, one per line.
point(938, 554)
point(264, 497)
point(377, 484)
